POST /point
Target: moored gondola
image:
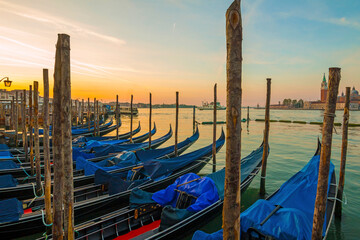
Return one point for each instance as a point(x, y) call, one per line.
point(162, 176)
point(190, 202)
point(288, 212)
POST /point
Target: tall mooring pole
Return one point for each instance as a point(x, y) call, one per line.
point(214, 130)
point(150, 112)
point(324, 166)
point(231, 207)
point(131, 118)
point(344, 145)
point(37, 142)
point(46, 143)
point(176, 123)
point(266, 138)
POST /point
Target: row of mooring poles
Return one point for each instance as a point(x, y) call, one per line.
point(63, 222)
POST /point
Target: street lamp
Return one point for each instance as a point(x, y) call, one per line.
point(7, 82)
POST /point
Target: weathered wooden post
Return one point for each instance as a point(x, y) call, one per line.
point(46, 143)
point(231, 208)
point(266, 138)
point(12, 123)
point(176, 123)
point(94, 116)
point(345, 125)
point(131, 118)
point(31, 128)
point(324, 166)
point(98, 118)
point(82, 111)
point(88, 114)
point(248, 114)
point(37, 143)
point(214, 129)
point(117, 116)
point(16, 118)
point(150, 112)
point(194, 121)
point(23, 125)
point(63, 183)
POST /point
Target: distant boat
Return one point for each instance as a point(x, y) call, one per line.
point(127, 111)
point(210, 106)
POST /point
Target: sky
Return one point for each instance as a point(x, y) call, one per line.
point(135, 47)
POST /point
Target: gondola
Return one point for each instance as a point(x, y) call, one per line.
point(170, 213)
point(288, 212)
point(10, 189)
point(19, 169)
point(191, 162)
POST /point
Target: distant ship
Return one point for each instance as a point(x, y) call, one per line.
point(210, 106)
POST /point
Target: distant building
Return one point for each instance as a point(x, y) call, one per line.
point(320, 104)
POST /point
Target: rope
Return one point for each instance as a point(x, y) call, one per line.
point(46, 236)
point(43, 219)
point(34, 191)
point(18, 160)
point(332, 115)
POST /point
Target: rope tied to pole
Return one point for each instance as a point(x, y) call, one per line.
point(43, 220)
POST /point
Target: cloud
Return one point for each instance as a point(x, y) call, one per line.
point(42, 17)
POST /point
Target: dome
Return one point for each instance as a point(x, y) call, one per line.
point(354, 92)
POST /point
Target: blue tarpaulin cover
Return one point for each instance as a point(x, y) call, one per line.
point(6, 154)
point(203, 189)
point(7, 181)
point(8, 164)
point(297, 200)
point(10, 210)
point(4, 147)
point(119, 161)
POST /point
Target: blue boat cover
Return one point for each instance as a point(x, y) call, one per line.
point(77, 153)
point(109, 149)
point(10, 210)
point(6, 154)
point(79, 130)
point(8, 181)
point(4, 147)
point(119, 161)
point(203, 189)
point(297, 200)
point(8, 164)
point(143, 155)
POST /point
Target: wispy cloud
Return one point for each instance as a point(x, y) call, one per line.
point(45, 18)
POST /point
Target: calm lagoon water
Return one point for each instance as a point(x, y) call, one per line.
point(292, 146)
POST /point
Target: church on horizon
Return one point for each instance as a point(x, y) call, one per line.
point(320, 104)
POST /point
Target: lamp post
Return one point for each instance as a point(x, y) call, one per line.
point(7, 82)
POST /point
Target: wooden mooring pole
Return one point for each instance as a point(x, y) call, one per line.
point(63, 175)
point(16, 114)
point(194, 120)
point(88, 114)
point(266, 138)
point(23, 125)
point(46, 144)
point(176, 124)
point(324, 166)
point(82, 111)
point(31, 131)
point(12, 123)
point(95, 117)
point(344, 144)
point(214, 130)
point(248, 114)
point(98, 118)
point(117, 116)
point(150, 112)
point(232, 197)
point(131, 118)
point(37, 142)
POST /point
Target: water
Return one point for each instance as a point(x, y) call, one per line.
point(291, 147)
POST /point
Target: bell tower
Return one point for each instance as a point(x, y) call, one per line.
point(324, 89)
